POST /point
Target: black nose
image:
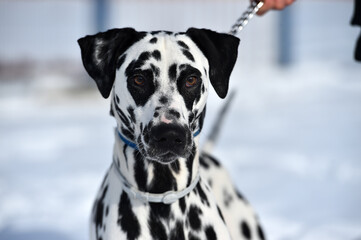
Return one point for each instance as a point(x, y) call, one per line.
point(168, 138)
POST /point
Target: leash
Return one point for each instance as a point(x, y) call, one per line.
point(245, 17)
point(168, 197)
point(235, 29)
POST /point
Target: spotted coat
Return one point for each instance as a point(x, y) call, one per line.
point(158, 84)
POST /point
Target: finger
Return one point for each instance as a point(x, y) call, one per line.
point(279, 4)
point(289, 2)
point(267, 5)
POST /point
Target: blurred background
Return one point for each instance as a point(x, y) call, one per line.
point(292, 138)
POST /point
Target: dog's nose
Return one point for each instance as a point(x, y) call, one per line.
point(169, 137)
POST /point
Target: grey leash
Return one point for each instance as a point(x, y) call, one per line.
point(246, 16)
point(236, 28)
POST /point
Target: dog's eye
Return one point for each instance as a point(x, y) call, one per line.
point(139, 80)
point(191, 81)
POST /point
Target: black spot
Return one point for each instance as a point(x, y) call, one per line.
point(188, 54)
point(127, 133)
point(203, 89)
point(189, 165)
point(111, 112)
point(163, 99)
point(210, 183)
point(156, 54)
point(156, 114)
point(210, 233)
point(260, 233)
point(227, 198)
point(182, 204)
point(131, 113)
point(177, 233)
point(125, 154)
point(245, 230)
point(203, 163)
point(200, 118)
point(192, 237)
point(155, 70)
point(121, 61)
point(127, 219)
point(140, 173)
point(172, 72)
point(144, 56)
point(124, 118)
point(193, 217)
point(183, 45)
point(157, 229)
point(153, 40)
point(183, 66)
point(175, 166)
point(240, 196)
point(160, 210)
point(99, 210)
point(155, 32)
point(116, 98)
point(137, 64)
point(174, 113)
point(106, 211)
point(202, 195)
point(191, 117)
point(213, 160)
point(220, 213)
point(149, 125)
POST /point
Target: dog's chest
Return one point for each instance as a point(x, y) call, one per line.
point(118, 216)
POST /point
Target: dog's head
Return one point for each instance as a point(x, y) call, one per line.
point(160, 83)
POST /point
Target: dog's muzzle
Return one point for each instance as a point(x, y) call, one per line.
point(168, 142)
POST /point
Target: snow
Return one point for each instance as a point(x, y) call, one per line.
point(296, 140)
point(291, 140)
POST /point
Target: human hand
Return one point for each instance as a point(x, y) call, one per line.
point(273, 4)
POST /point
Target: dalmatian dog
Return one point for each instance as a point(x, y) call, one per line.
point(160, 185)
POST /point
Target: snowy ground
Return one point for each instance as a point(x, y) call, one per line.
point(292, 144)
point(292, 140)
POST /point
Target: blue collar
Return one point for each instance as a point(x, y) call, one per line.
point(127, 142)
point(133, 145)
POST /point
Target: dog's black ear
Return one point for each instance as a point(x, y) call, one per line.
point(101, 51)
point(221, 51)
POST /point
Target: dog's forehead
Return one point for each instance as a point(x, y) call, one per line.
point(168, 47)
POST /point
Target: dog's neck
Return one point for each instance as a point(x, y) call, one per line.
point(153, 177)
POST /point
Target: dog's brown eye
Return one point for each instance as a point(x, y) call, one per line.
point(191, 81)
point(139, 80)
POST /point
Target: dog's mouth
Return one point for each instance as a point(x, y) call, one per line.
point(166, 143)
point(165, 158)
